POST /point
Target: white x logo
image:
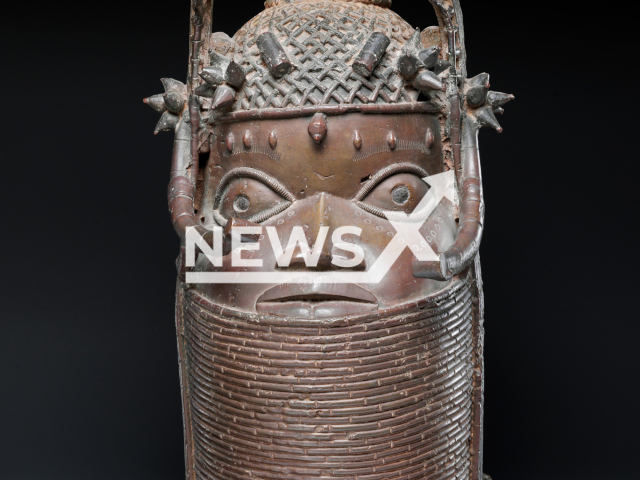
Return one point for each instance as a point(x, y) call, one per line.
point(408, 226)
point(407, 236)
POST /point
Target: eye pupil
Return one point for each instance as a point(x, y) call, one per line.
point(241, 204)
point(401, 194)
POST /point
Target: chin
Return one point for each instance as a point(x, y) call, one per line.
point(285, 384)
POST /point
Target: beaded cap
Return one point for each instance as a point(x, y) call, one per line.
point(321, 39)
point(379, 3)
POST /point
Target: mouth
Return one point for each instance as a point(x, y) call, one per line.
point(321, 300)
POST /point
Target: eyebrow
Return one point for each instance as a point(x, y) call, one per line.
point(388, 172)
point(246, 172)
point(238, 150)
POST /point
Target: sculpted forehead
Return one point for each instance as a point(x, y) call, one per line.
point(355, 147)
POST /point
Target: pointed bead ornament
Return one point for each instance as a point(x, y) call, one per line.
point(429, 56)
point(497, 99)
point(171, 85)
point(392, 140)
point(273, 140)
point(247, 140)
point(357, 140)
point(428, 81)
point(222, 70)
point(481, 80)
point(409, 63)
point(205, 90)
point(318, 128)
point(486, 118)
point(214, 76)
point(157, 103)
point(235, 75)
point(224, 97)
point(430, 139)
point(440, 66)
point(167, 123)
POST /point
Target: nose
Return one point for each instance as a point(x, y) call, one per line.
point(321, 215)
point(315, 216)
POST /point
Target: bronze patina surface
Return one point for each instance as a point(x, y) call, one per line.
point(316, 115)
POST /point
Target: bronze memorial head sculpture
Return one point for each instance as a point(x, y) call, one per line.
point(326, 188)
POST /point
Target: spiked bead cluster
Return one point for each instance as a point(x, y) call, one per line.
point(170, 104)
point(223, 77)
point(483, 104)
point(422, 66)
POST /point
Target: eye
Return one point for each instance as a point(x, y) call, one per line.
point(249, 199)
point(250, 195)
point(401, 192)
point(241, 203)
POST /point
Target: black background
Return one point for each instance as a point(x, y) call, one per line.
point(88, 367)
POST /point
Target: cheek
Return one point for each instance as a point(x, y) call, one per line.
point(440, 229)
point(376, 233)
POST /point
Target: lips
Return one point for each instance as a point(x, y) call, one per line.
point(321, 300)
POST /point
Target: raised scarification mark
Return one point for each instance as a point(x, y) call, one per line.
point(237, 150)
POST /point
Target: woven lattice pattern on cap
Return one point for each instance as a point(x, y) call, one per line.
point(322, 39)
point(275, 3)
